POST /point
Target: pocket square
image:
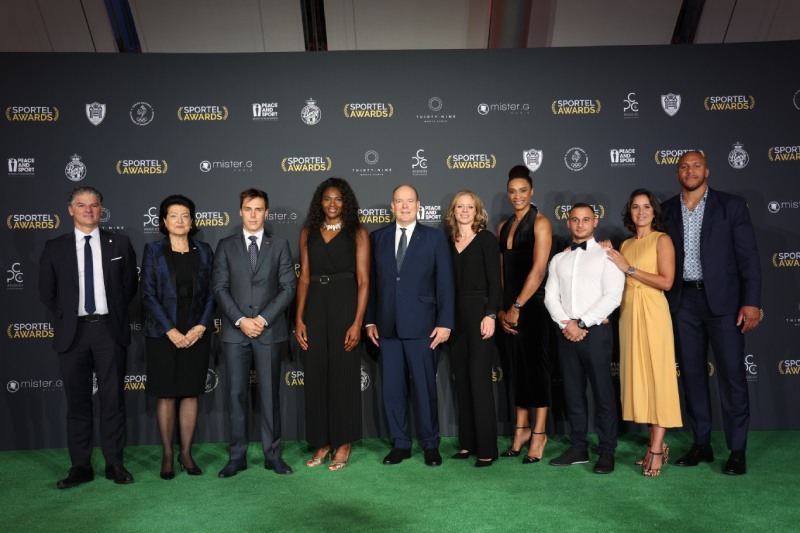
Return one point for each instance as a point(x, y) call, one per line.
point(117, 258)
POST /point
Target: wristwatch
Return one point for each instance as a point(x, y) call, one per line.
point(631, 270)
point(581, 323)
point(493, 316)
point(517, 305)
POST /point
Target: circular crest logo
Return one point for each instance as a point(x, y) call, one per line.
point(365, 381)
point(532, 158)
point(371, 157)
point(311, 114)
point(483, 109)
point(738, 158)
point(75, 169)
point(13, 386)
point(796, 100)
point(142, 113)
point(205, 166)
point(105, 215)
point(576, 159)
point(435, 104)
point(212, 380)
point(774, 207)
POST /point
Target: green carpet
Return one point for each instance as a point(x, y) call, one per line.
point(368, 496)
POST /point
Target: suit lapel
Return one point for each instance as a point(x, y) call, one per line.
point(166, 251)
point(415, 245)
point(106, 253)
point(71, 251)
point(264, 251)
point(708, 215)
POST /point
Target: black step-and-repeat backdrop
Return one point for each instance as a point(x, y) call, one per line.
point(591, 123)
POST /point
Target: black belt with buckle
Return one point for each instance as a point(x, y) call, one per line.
point(92, 318)
point(327, 278)
point(698, 284)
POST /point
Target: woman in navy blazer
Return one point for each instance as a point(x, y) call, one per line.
point(179, 307)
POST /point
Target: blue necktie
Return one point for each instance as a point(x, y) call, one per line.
point(401, 249)
point(88, 278)
point(253, 249)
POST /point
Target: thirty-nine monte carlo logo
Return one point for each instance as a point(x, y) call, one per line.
point(532, 159)
point(95, 112)
point(265, 111)
point(562, 211)
point(576, 107)
point(33, 221)
point(576, 159)
point(735, 102)
point(21, 166)
point(368, 110)
point(671, 156)
point(670, 103)
point(312, 163)
point(311, 113)
point(435, 113)
point(371, 158)
point(32, 113)
point(75, 169)
point(142, 166)
point(738, 158)
point(471, 161)
point(196, 113)
point(142, 113)
point(784, 153)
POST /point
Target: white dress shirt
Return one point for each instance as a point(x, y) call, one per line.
point(100, 302)
point(583, 284)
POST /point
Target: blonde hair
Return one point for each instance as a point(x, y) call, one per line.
point(481, 217)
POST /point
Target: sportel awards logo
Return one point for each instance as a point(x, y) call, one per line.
point(311, 114)
point(75, 169)
point(789, 367)
point(371, 158)
point(471, 161)
point(419, 163)
point(497, 374)
point(561, 212)
point(151, 221)
point(576, 159)
point(368, 110)
point(134, 382)
point(630, 106)
point(576, 107)
point(737, 102)
point(306, 164)
point(33, 221)
point(671, 156)
point(738, 158)
point(532, 159)
point(204, 113)
point(295, 378)
point(32, 114)
point(29, 330)
point(774, 207)
point(750, 368)
point(784, 153)
point(265, 111)
point(14, 277)
point(786, 259)
point(375, 216)
point(95, 113)
point(211, 219)
point(622, 157)
point(670, 103)
point(435, 113)
point(365, 379)
point(142, 113)
point(21, 166)
point(142, 166)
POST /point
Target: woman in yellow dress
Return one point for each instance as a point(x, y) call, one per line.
point(648, 379)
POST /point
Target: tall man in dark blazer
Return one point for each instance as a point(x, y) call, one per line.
point(717, 299)
point(409, 314)
point(87, 278)
point(253, 282)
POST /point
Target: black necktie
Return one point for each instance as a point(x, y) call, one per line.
point(401, 249)
point(575, 245)
point(253, 249)
point(88, 278)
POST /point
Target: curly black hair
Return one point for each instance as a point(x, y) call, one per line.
point(316, 217)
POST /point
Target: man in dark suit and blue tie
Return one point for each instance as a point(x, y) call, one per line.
point(254, 282)
point(718, 300)
point(409, 314)
point(87, 278)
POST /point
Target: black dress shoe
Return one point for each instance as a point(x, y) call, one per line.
point(432, 457)
point(736, 465)
point(232, 468)
point(699, 453)
point(572, 456)
point(482, 463)
point(167, 474)
point(77, 476)
point(119, 474)
point(460, 455)
point(604, 464)
point(192, 470)
point(396, 456)
point(278, 466)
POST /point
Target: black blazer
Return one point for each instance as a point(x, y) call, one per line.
point(59, 285)
point(158, 284)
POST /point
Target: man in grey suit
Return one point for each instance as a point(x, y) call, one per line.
point(253, 282)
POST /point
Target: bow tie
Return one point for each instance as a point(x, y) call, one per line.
point(575, 245)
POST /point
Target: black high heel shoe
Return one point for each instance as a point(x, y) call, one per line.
point(193, 470)
point(167, 474)
point(511, 452)
point(528, 459)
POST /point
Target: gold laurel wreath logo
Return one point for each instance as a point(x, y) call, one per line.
point(599, 105)
point(8, 113)
point(770, 152)
point(225, 114)
point(553, 107)
point(345, 111)
point(391, 110)
point(710, 369)
point(775, 259)
point(658, 162)
point(761, 315)
point(499, 373)
point(57, 114)
point(166, 166)
point(555, 212)
point(752, 101)
point(286, 379)
point(8, 331)
point(227, 217)
point(450, 162)
point(119, 165)
point(8, 222)
point(180, 117)
point(283, 165)
point(602, 211)
point(330, 163)
point(780, 366)
point(494, 161)
point(58, 220)
point(705, 103)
